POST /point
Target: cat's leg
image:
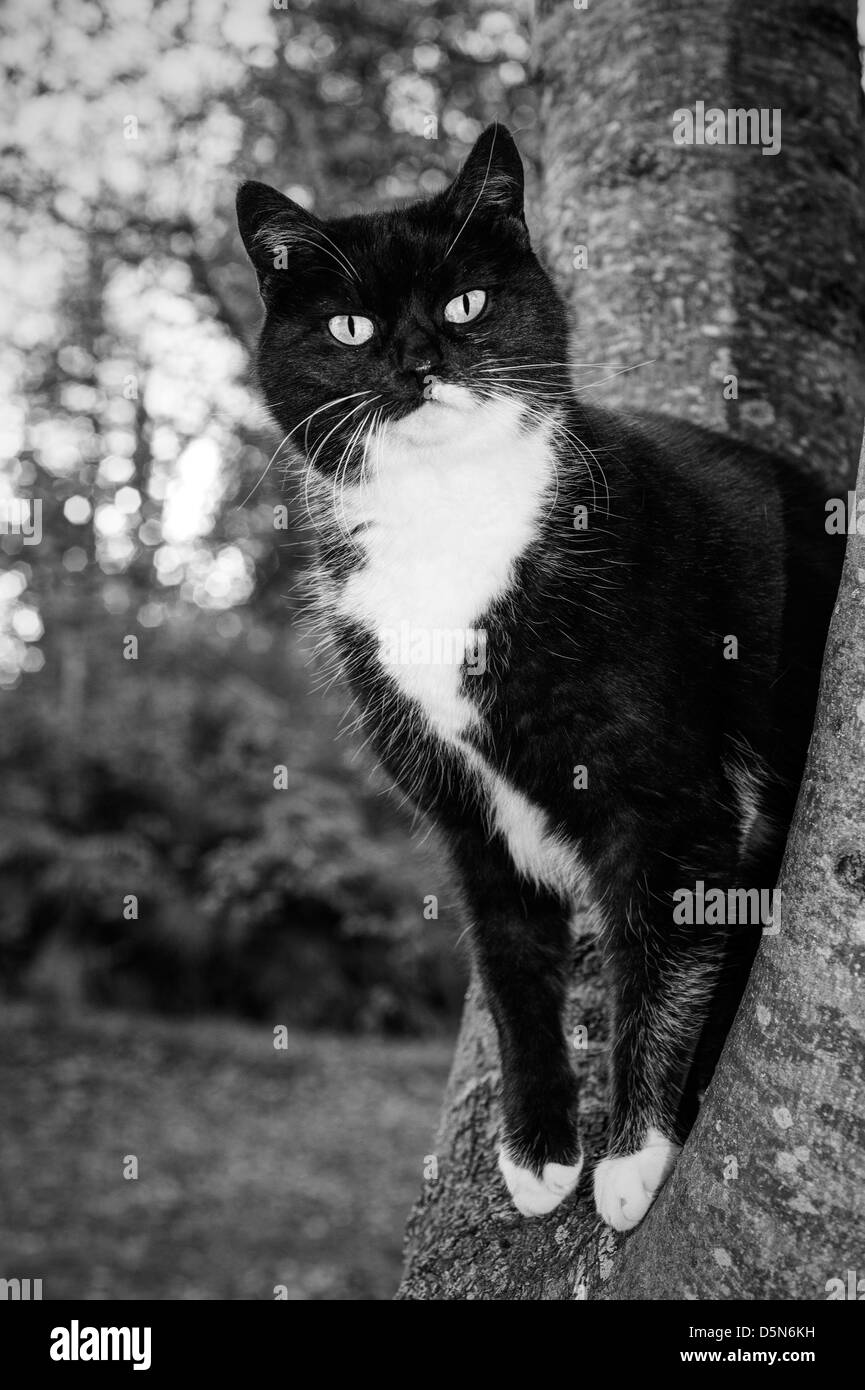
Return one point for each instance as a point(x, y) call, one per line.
point(739, 951)
point(664, 981)
point(521, 945)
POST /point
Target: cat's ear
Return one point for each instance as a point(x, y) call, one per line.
point(275, 231)
point(491, 180)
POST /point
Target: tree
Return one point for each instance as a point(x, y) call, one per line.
point(740, 274)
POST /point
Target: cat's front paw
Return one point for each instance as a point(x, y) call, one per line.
point(626, 1187)
point(535, 1195)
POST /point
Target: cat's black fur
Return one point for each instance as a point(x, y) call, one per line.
point(608, 651)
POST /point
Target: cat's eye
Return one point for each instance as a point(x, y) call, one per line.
point(466, 306)
point(351, 329)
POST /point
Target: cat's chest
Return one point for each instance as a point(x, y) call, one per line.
point(442, 531)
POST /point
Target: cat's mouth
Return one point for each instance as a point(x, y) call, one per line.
point(442, 405)
point(446, 393)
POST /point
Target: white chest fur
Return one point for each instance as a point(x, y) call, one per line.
point(449, 507)
point(451, 499)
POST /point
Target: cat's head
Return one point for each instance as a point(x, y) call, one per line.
point(417, 320)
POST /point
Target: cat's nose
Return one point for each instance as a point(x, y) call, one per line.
point(418, 355)
point(422, 371)
point(417, 373)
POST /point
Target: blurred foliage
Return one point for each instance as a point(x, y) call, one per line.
point(269, 875)
point(130, 424)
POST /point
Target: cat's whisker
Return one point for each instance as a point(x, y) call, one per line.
point(587, 457)
point(267, 469)
point(583, 450)
point(541, 418)
point(346, 269)
point(317, 451)
point(342, 475)
point(335, 491)
point(374, 435)
point(338, 249)
point(537, 366)
point(478, 198)
point(313, 413)
point(549, 389)
point(327, 406)
point(369, 435)
point(587, 385)
point(554, 420)
point(310, 475)
point(509, 368)
point(377, 439)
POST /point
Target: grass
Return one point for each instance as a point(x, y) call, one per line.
point(256, 1167)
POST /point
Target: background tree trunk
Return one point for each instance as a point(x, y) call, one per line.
point(713, 261)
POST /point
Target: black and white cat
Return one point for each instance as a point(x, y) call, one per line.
point(521, 585)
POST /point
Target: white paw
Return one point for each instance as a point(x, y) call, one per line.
point(533, 1195)
point(626, 1187)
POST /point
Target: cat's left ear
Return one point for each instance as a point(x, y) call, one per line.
point(491, 180)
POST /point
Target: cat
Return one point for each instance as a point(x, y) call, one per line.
point(585, 644)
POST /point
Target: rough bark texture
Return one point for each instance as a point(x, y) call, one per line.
point(711, 261)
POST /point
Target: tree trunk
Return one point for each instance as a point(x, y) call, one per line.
point(716, 262)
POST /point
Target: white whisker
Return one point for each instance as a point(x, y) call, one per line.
point(478, 198)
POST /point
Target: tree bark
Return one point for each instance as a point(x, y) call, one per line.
point(713, 262)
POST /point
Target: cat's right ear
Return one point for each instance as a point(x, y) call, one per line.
point(274, 229)
point(491, 179)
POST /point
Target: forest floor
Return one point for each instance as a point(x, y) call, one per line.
point(256, 1167)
